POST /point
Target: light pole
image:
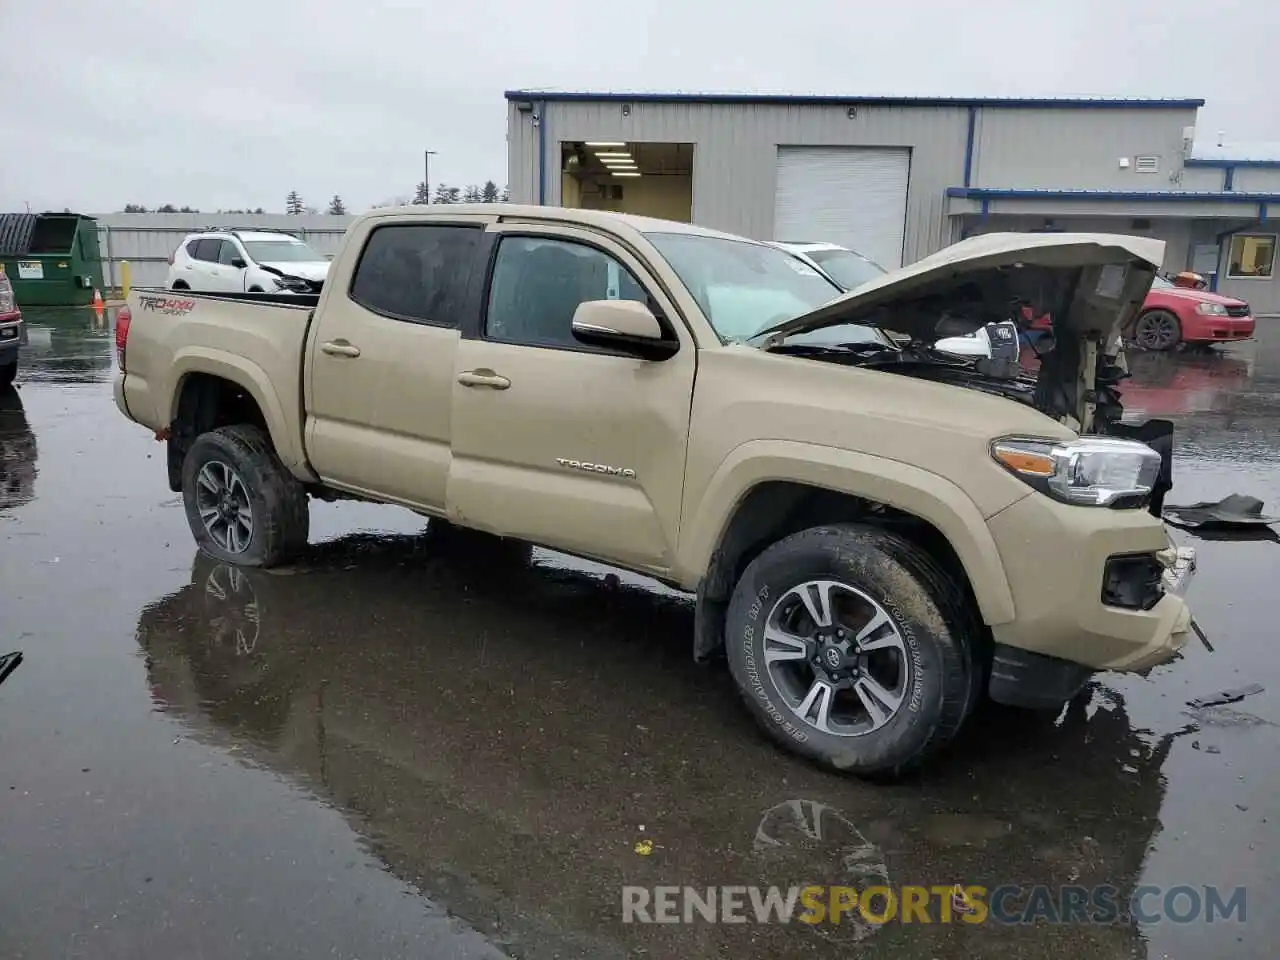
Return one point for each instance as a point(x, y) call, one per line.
point(426, 174)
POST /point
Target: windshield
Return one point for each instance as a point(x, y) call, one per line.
point(744, 288)
point(280, 251)
point(845, 267)
point(1160, 283)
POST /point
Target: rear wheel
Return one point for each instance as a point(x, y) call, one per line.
point(242, 505)
point(852, 647)
point(8, 373)
point(1157, 330)
point(180, 285)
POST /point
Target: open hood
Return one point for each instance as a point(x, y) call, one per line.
point(1091, 283)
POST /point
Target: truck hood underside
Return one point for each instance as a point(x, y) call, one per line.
point(1092, 285)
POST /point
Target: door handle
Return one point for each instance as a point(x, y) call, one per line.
point(483, 378)
point(340, 348)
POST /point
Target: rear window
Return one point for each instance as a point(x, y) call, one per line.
point(418, 272)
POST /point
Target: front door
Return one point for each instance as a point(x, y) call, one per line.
point(231, 276)
point(381, 360)
point(557, 442)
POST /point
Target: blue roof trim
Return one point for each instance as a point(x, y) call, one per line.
point(833, 100)
point(1193, 162)
point(1149, 196)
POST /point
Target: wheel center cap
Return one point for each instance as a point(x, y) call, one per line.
point(833, 658)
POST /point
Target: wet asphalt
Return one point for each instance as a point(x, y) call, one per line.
point(402, 749)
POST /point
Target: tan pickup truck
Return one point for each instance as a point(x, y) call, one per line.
point(877, 533)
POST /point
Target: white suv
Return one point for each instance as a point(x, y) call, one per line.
point(246, 261)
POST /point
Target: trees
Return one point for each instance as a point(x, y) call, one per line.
point(489, 192)
point(293, 203)
point(421, 194)
point(134, 208)
point(506, 195)
point(471, 195)
point(336, 207)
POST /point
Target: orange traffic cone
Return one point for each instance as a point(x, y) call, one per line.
point(98, 305)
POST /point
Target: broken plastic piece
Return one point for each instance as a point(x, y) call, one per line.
point(1226, 696)
point(1236, 510)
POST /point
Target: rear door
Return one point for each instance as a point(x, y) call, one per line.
point(204, 257)
point(381, 358)
point(557, 442)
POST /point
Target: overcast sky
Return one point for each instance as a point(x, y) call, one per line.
point(233, 103)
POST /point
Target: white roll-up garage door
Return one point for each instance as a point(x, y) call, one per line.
point(853, 196)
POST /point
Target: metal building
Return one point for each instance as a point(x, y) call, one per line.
point(899, 178)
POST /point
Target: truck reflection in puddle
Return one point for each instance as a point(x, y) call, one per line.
point(18, 452)
point(499, 731)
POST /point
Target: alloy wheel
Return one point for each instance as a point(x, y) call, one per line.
point(223, 504)
point(837, 657)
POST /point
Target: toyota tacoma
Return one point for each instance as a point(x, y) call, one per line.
point(877, 533)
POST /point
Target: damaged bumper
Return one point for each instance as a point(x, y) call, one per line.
point(1058, 560)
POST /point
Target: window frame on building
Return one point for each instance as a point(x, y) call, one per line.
point(1232, 259)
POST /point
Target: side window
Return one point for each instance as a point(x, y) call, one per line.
point(538, 283)
point(195, 249)
point(229, 253)
point(418, 272)
point(207, 249)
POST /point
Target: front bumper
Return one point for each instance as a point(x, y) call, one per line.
point(13, 335)
point(1055, 556)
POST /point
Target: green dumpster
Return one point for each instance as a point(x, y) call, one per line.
point(52, 259)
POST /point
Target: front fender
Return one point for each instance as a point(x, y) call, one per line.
point(918, 492)
point(254, 380)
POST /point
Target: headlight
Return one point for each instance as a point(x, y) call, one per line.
point(1090, 472)
point(1213, 309)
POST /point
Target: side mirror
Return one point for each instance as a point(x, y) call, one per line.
point(625, 325)
point(238, 263)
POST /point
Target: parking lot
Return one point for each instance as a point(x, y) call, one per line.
point(396, 749)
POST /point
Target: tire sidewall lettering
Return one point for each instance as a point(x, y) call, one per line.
point(755, 682)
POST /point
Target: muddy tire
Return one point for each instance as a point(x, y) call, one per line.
point(887, 680)
point(8, 373)
point(243, 506)
point(1157, 330)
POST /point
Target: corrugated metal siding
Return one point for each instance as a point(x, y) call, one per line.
point(1176, 233)
point(1078, 149)
point(735, 153)
point(15, 233)
point(147, 239)
point(1256, 180)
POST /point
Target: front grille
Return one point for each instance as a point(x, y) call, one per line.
point(1240, 311)
point(1133, 581)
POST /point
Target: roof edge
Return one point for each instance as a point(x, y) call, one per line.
point(783, 99)
point(1152, 196)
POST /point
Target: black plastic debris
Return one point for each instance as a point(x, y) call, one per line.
point(1234, 512)
point(1226, 696)
point(8, 663)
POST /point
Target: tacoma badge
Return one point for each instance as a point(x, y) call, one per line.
point(596, 468)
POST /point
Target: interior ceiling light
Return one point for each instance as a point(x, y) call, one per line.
point(611, 162)
point(604, 143)
point(625, 173)
point(612, 154)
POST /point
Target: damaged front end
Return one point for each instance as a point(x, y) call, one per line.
point(1092, 285)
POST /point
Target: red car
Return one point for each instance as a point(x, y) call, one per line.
point(1173, 314)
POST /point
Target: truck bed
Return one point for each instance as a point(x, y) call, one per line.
point(255, 339)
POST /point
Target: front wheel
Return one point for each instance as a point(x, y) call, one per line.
point(1157, 330)
point(8, 373)
point(852, 647)
point(242, 505)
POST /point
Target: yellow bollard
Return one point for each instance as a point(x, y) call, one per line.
point(124, 279)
